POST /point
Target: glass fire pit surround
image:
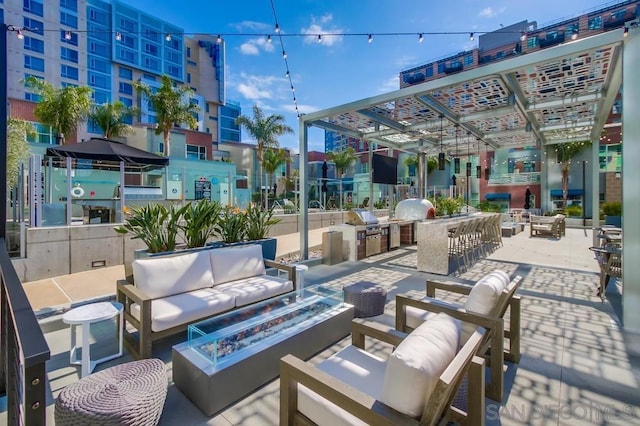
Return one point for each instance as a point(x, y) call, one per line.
point(229, 356)
point(223, 339)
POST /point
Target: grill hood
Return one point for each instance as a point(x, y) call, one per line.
point(361, 217)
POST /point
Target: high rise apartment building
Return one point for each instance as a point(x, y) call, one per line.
point(108, 45)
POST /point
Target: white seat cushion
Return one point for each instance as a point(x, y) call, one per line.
point(483, 298)
point(163, 276)
point(234, 263)
point(356, 368)
point(414, 368)
point(416, 316)
point(184, 308)
point(253, 289)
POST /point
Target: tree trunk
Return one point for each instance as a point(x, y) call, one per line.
point(167, 151)
point(565, 183)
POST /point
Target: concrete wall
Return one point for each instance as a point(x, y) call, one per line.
point(54, 251)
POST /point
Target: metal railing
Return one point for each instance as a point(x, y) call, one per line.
point(514, 178)
point(23, 351)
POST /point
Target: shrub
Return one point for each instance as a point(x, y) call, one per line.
point(573, 211)
point(258, 222)
point(611, 208)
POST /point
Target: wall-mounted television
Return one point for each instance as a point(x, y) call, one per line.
point(385, 169)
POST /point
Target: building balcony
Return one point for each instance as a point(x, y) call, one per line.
point(515, 178)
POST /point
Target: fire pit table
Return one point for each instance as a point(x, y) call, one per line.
point(228, 356)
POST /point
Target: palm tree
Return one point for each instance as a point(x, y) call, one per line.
point(63, 108)
point(17, 148)
point(273, 158)
point(111, 118)
point(265, 130)
point(172, 105)
point(432, 163)
point(566, 151)
point(343, 159)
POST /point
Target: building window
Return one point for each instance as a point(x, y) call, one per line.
point(174, 71)
point(568, 31)
point(34, 44)
point(73, 40)
point(125, 88)
point(33, 63)
point(195, 152)
point(532, 42)
point(33, 6)
point(595, 23)
point(28, 96)
point(127, 25)
point(43, 134)
point(468, 60)
point(67, 54)
point(69, 4)
point(128, 41)
point(441, 67)
point(206, 107)
point(126, 55)
point(98, 16)
point(428, 71)
point(188, 77)
point(188, 52)
point(34, 26)
point(68, 19)
point(67, 71)
point(152, 49)
point(127, 101)
point(192, 63)
point(499, 55)
point(100, 65)
point(99, 49)
point(125, 73)
point(100, 97)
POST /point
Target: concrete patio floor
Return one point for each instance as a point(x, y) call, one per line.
point(578, 366)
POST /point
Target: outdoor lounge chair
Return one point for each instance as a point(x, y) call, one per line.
point(610, 262)
point(486, 304)
point(553, 226)
point(416, 385)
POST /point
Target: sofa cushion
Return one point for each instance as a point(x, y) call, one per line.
point(184, 308)
point(483, 298)
point(253, 289)
point(235, 263)
point(414, 368)
point(416, 316)
point(168, 275)
point(352, 366)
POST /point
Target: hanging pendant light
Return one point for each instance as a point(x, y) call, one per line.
point(468, 156)
point(441, 154)
point(456, 159)
point(478, 167)
point(487, 170)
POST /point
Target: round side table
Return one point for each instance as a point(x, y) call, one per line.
point(84, 316)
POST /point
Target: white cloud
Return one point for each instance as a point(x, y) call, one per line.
point(390, 84)
point(258, 87)
point(249, 48)
point(302, 108)
point(253, 92)
point(322, 26)
point(489, 12)
point(251, 25)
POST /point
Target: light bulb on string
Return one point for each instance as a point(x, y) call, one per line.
point(420, 38)
point(19, 34)
point(319, 38)
point(67, 35)
point(219, 39)
point(167, 37)
point(269, 38)
point(471, 37)
point(370, 38)
point(277, 29)
point(118, 36)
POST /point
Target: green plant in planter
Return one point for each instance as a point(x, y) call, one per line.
point(199, 222)
point(573, 211)
point(155, 224)
point(231, 225)
point(259, 222)
point(611, 208)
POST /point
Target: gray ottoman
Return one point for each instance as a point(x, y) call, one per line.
point(127, 394)
point(367, 299)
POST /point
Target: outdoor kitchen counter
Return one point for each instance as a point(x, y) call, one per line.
point(433, 243)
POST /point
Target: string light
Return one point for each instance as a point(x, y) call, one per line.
point(471, 37)
point(626, 31)
point(420, 38)
point(319, 38)
point(456, 159)
point(277, 29)
point(574, 35)
point(19, 34)
point(284, 57)
point(119, 36)
point(219, 39)
point(67, 35)
point(370, 38)
point(284, 54)
point(441, 153)
point(167, 37)
point(269, 38)
point(523, 36)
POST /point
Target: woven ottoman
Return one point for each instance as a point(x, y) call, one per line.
point(127, 394)
point(367, 298)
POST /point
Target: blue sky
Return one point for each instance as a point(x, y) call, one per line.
point(340, 69)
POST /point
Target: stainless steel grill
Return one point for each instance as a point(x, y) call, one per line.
point(361, 217)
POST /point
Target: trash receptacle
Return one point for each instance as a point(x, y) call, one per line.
point(331, 247)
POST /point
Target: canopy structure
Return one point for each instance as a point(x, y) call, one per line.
point(101, 149)
point(555, 95)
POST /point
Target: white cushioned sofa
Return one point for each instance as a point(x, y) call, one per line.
point(171, 292)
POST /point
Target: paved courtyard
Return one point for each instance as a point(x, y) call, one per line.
point(577, 366)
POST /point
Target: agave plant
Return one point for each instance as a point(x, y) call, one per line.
point(155, 224)
point(199, 222)
point(231, 225)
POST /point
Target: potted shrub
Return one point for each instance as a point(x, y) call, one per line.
point(231, 225)
point(612, 212)
point(258, 223)
point(199, 222)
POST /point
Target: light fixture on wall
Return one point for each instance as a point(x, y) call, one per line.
point(468, 155)
point(441, 154)
point(456, 159)
point(478, 167)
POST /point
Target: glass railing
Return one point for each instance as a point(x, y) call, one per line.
point(515, 178)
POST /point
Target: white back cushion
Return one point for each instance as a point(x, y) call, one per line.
point(235, 263)
point(415, 366)
point(167, 275)
point(483, 298)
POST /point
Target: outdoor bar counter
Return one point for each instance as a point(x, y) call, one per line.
point(433, 243)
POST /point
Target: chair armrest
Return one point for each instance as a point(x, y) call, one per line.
point(361, 328)
point(437, 306)
point(130, 291)
point(294, 371)
point(453, 287)
point(289, 269)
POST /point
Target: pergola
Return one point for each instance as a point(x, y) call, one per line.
point(555, 95)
